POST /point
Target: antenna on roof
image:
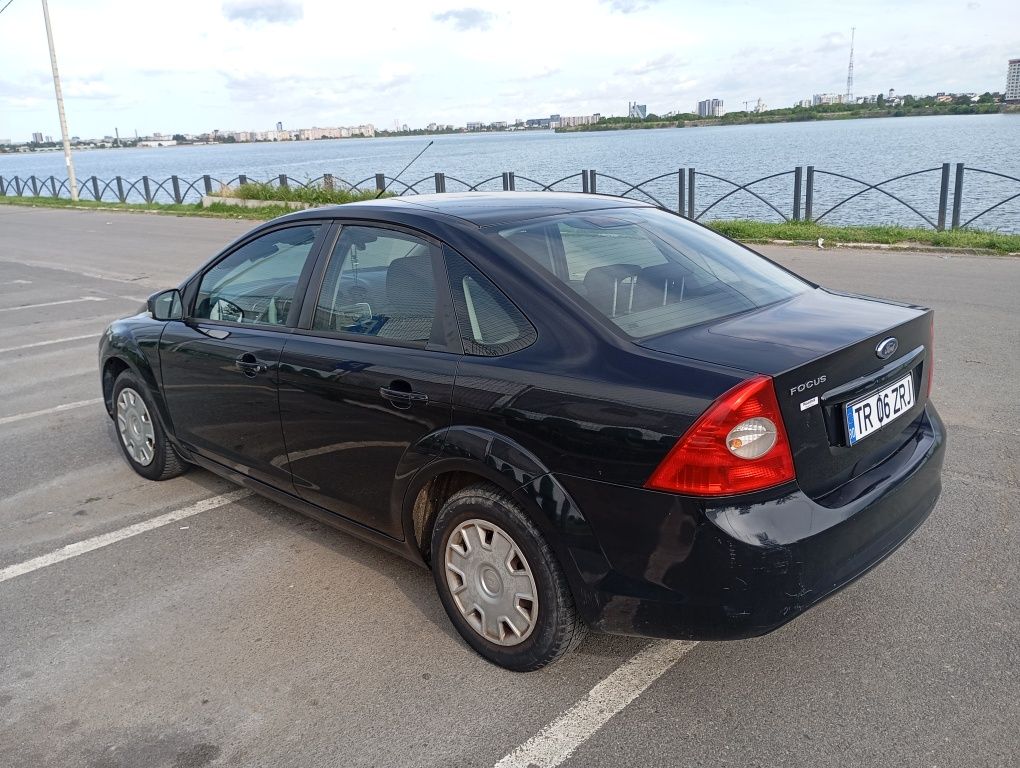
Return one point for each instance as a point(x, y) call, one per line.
point(850, 69)
point(387, 186)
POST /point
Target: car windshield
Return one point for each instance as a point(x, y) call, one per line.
point(650, 272)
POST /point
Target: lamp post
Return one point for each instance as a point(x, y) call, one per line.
point(73, 182)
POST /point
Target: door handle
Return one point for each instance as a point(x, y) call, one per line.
point(400, 396)
point(250, 366)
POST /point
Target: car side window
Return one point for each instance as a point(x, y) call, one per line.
point(379, 283)
point(256, 283)
point(490, 324)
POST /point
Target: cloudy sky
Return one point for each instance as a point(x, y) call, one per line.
point(195, 65)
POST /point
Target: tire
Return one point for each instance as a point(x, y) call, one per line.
point(478, 585)
point(139, 433)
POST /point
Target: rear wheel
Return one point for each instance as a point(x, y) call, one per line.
point(139, 433)
point(500, 582)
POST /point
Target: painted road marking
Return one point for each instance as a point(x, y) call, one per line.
point(106, 539)
point(53, 303)
point(51, 341)
point(558, 740)
point(46, 411)
point(133, 279)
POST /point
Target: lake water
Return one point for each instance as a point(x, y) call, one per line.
point(871, 150)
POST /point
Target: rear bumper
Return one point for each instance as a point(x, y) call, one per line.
point(686, 568)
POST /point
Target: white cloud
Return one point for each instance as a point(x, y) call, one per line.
point(244, 64)
point(628, 6)
point(270, 11)
point(465, 19)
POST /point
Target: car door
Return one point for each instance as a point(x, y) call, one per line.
point(366, 383)
point(220, 365)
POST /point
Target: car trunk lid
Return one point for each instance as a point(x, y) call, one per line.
point(821, 348)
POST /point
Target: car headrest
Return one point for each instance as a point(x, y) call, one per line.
point(410, 286)
point(670, 271)
point(602, 287)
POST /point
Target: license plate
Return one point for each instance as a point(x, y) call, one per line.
point(872, 412)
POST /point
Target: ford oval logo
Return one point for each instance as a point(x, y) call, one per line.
point(887, 348)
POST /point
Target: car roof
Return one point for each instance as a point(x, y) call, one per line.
point(482, 208)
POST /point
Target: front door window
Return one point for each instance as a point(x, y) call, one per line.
point(256, 284)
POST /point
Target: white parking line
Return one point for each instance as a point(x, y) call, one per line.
point(558, 740)
point(106, 539)
point(50, 341)
point(45, 411)
point(53, 303)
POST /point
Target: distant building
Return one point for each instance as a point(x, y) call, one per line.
point(475, 126)
point(565, 122)
point(638, 111)
point(279, 127)
point(1013, 82)
point(804, 103)
point(313, 134)
point(826, 98)
point(5, 142)
point(279, 135)
point(710, 108)
point(37, 138)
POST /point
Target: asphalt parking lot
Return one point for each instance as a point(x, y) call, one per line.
point(240, 633)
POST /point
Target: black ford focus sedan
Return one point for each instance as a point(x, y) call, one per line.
point(579, 411)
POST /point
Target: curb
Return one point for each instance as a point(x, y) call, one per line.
point(910, 247)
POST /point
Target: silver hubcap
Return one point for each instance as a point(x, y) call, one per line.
point(135, 427)
point(491, 582)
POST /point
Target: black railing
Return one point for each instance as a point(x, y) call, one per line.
point(792, 195)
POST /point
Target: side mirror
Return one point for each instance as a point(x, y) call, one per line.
point(166, 305)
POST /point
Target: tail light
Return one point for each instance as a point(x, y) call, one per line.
point(738, 445)
point(931, 354)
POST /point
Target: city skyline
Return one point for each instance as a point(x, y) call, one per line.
point(664, 57)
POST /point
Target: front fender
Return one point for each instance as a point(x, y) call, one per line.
point(134, 343)
point(522, 475)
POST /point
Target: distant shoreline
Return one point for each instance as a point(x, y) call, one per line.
point(610, 124)
point(804, 116)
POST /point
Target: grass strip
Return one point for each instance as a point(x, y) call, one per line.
point(883, 234)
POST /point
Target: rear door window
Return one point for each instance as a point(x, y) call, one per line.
point(378, 283)
point(490, 324)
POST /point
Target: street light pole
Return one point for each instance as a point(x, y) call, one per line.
point(73, 182)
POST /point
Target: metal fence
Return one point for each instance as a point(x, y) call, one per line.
point(937, 195)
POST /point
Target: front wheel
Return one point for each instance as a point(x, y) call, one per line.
point(500, 583)
point(139, 433)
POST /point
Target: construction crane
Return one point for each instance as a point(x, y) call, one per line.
point(850, 69)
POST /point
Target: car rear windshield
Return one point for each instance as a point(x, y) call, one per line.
point(651, 272)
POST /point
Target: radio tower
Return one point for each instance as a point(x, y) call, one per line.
point(850, 69)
